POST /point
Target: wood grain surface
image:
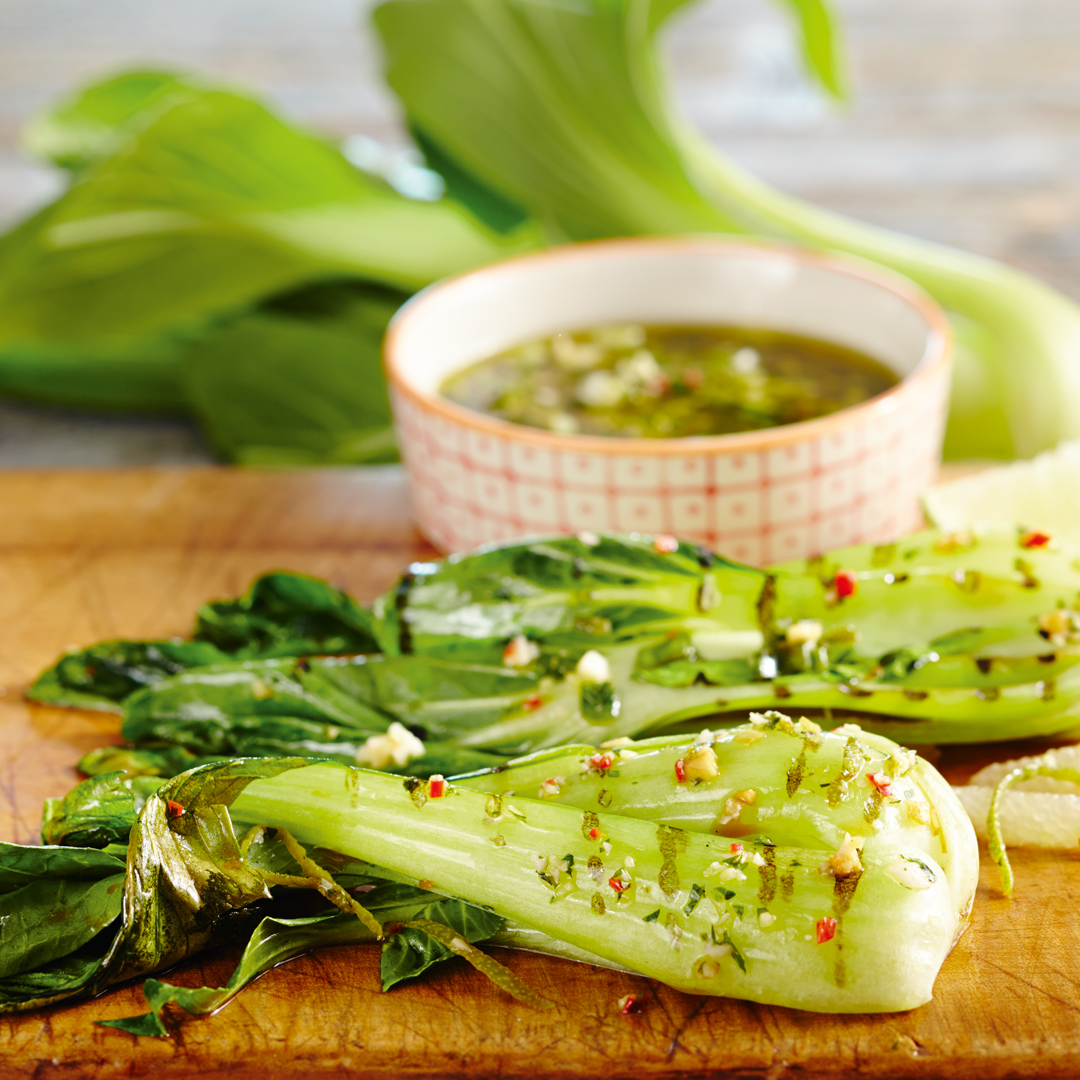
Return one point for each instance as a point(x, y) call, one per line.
point(86, 556)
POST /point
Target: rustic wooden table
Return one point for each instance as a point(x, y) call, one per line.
point(86, 556)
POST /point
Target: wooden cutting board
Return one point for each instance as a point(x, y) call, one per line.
point(86, 556)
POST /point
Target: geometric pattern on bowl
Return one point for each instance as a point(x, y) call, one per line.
point(859, 483)
point(759, 497)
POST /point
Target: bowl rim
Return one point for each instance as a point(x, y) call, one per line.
point(938, 352)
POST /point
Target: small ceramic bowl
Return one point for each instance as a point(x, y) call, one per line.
point(759, 497)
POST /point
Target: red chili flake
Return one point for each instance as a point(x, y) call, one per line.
point(1034, 540)
point(693, 377)
point(618, 884)
point(436, 787)
point(173, 809)
point(881, 782)
point(601, 761)
point(595, 833)
point(665, 544)
point(533, 701)
point(737, 849)
point(825, 929)
point(630, 1004)
point(845, 583)
point(680, 771)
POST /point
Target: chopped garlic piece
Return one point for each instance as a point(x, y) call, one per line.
point(700, 764)
point(551, 786)
point(593, 667)
point(705, 736)
point(641, 367)
point(766, 918)
point(749, 736)
point(734, 804)
point(807, 727)
point(611, 744)
point(845, 861)
point(804, 632)
point(709, 968)
point(589, 539)
point(601, 389)
point(848, 729)
point(1059, 626)
point(902, 761)
point(745, 360)
point(520, 652)
point(575, 355)
point(399, 745)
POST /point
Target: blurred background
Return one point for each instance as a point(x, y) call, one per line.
point(963, 127)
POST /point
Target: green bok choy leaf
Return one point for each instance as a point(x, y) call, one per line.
point(210, 257)
point(282, 614)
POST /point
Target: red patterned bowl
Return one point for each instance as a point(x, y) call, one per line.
point(854, 476)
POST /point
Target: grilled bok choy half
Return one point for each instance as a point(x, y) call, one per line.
point(775, 862)
point(935, 638)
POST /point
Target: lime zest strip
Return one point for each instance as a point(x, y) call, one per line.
point(995, 840)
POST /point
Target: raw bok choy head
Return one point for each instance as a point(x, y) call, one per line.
point(209, 256)
point(564, 111)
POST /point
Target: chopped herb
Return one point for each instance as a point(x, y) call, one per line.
point(696, 893)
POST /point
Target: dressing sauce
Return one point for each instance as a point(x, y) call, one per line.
point(634, 381)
